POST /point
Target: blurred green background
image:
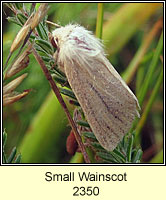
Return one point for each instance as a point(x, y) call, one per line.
point(37, 125)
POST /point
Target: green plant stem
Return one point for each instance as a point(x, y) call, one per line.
point(149, 104)
point(139, 79)
point(150, 72)
point(99, 23)
point(131, 69)
point(4, 143)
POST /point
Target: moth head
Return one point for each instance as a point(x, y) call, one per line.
point(60, 35)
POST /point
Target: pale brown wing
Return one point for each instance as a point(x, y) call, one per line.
point(108, 104)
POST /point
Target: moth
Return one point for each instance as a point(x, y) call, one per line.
point(107, 102)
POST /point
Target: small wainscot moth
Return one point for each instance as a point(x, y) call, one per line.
point(107, 102)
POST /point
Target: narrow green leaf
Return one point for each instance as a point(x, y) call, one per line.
point(19, 5)
point(13, 20)
point(4, 158)
point(83, 123)
point(149, 104)
point(68, 93)
point(153, 65)
point(41, 51)
point(4, 138)
point(57, 70)
point(89, 135)
point(106, 156)
point(4, 143)
point(120, 155)
point(42, 33)
point(12, 155)
point(59, 79)
point(21, 18)
point(45, 45)
point(137, 156)
point(46, 58)
point(129, 149)
point(117, 157)
point(97, 146)
point(18, 158)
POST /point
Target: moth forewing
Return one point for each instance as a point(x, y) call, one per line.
point(108, 104)
point(108, 120)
